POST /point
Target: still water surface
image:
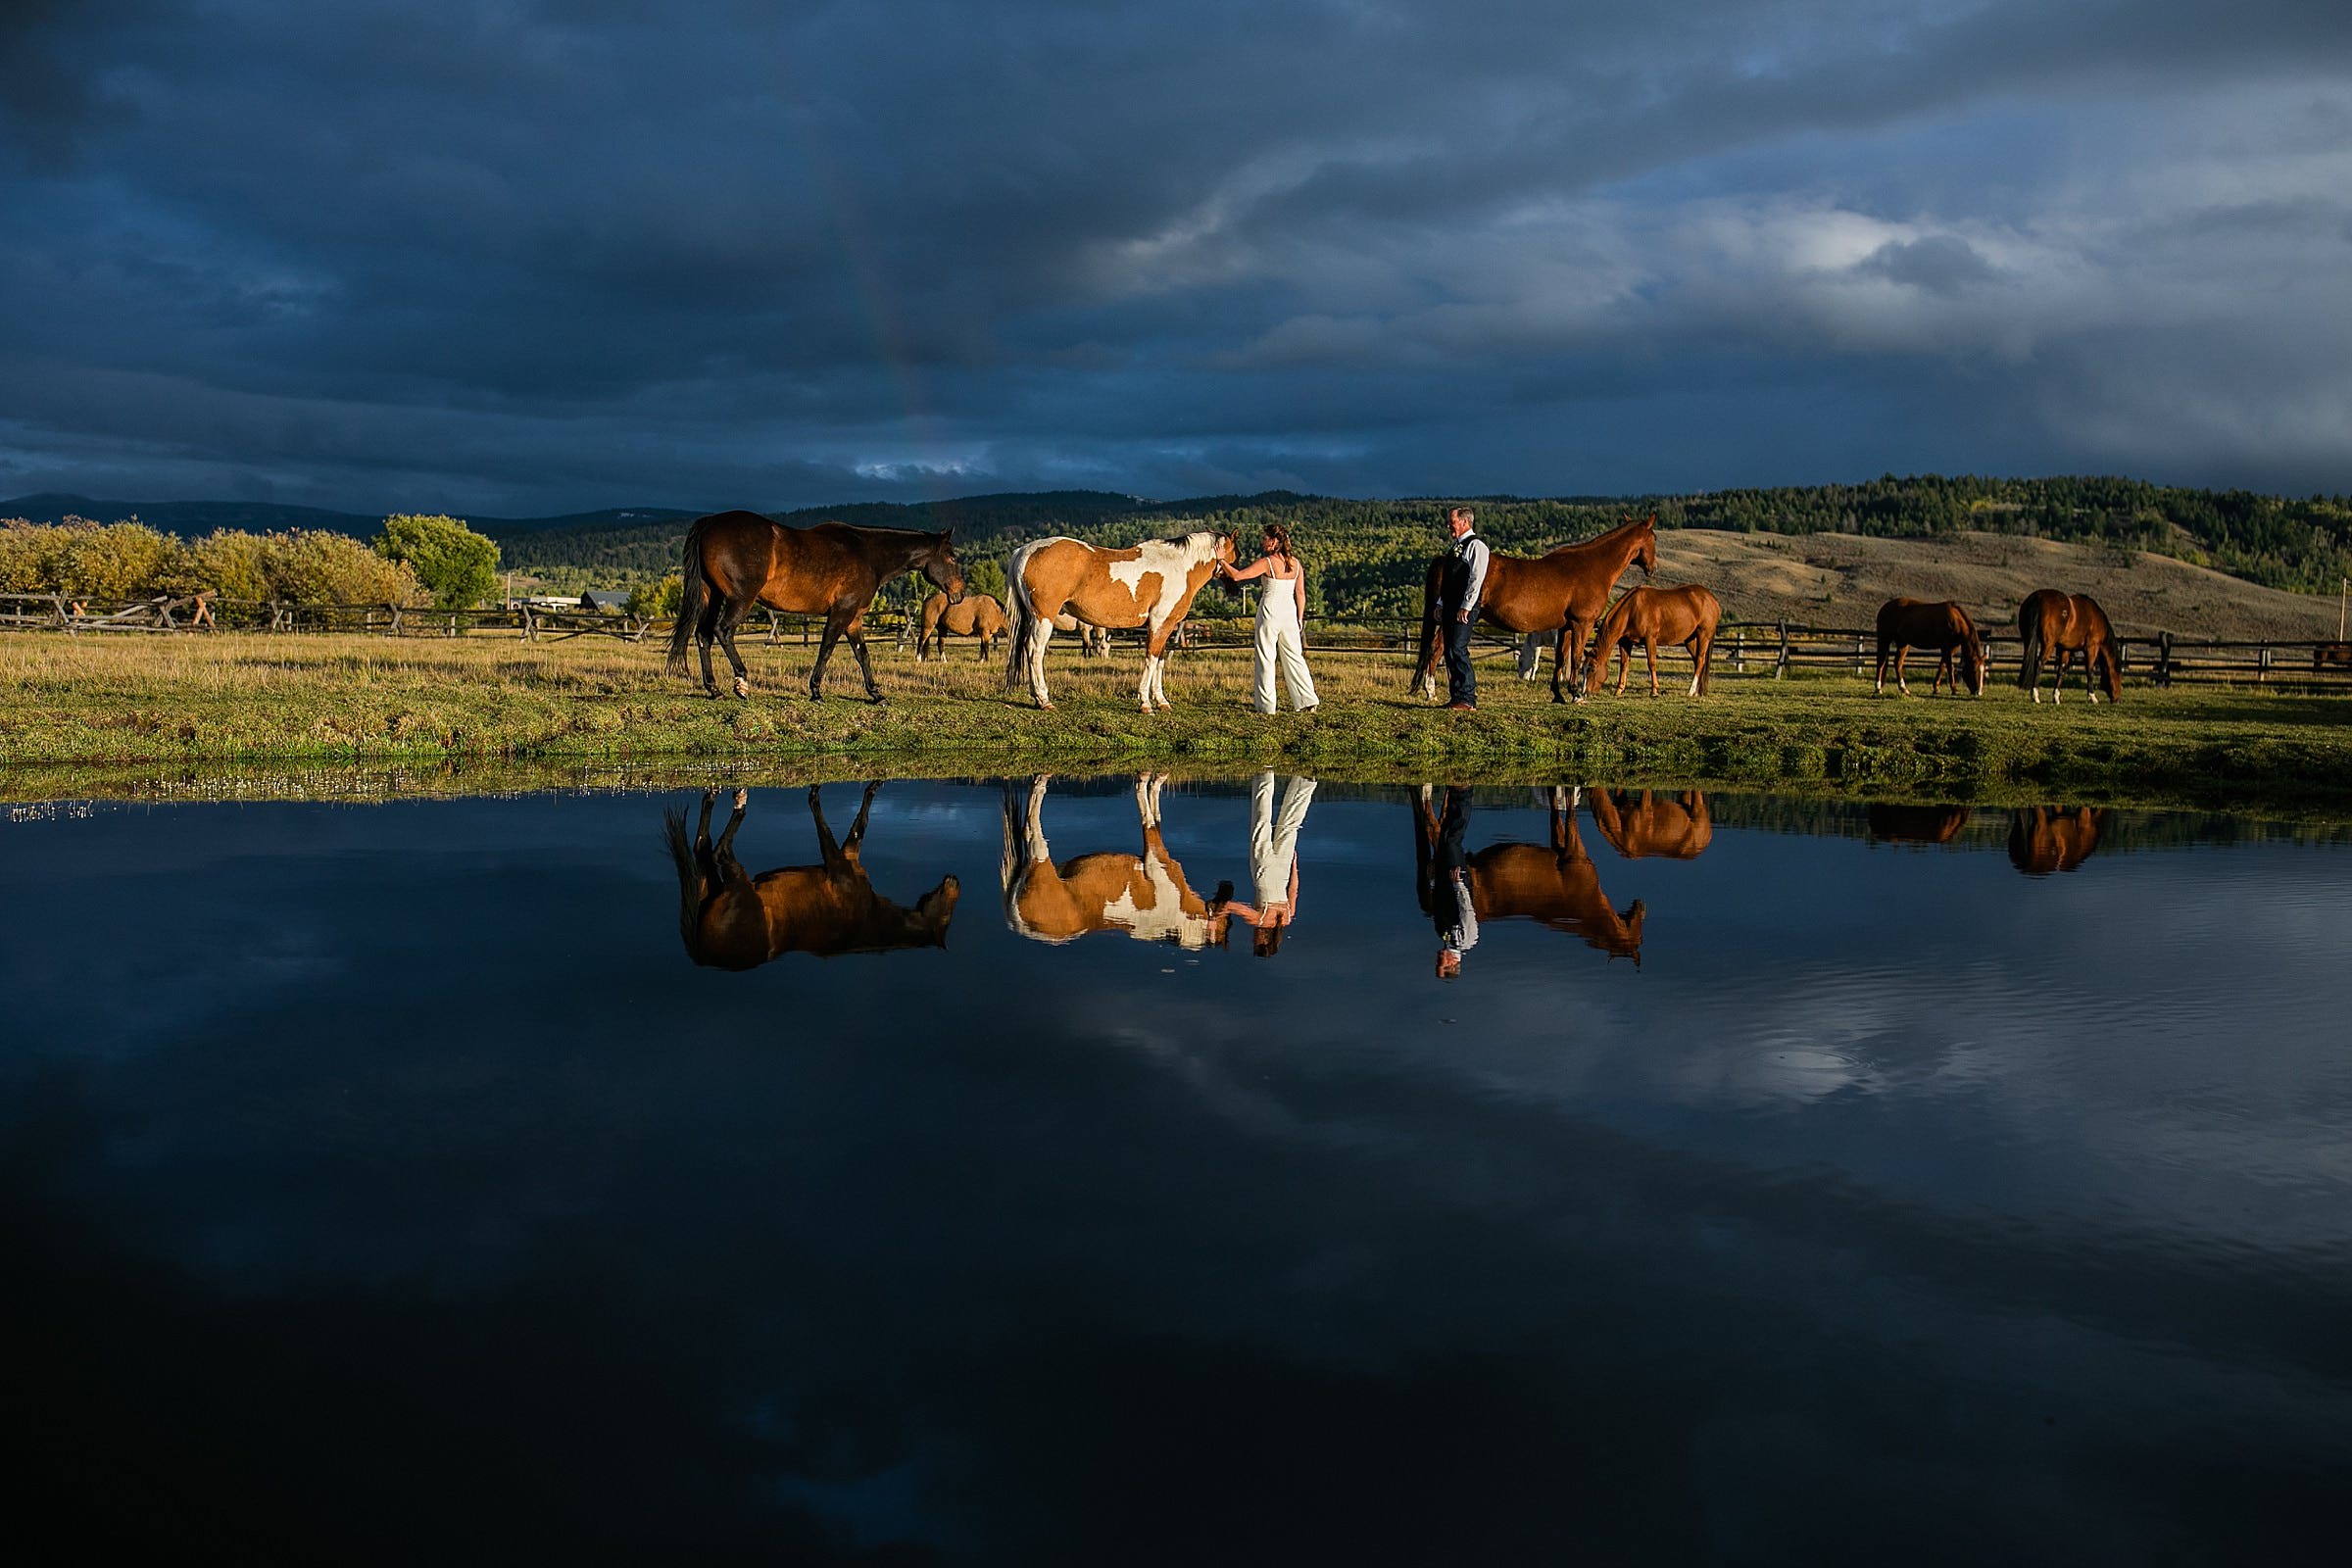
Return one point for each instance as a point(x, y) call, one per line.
point(560, 1178)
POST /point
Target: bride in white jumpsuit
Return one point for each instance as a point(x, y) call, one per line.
point(1279, 607)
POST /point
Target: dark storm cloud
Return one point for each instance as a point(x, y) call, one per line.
point(581, 253)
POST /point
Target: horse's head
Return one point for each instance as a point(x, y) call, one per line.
point(1223, 549)
point(933, 911)
point(942, 568)
point(1646, 553)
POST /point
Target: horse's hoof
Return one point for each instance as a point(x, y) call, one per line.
point(878, 699)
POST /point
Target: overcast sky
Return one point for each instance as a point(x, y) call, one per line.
point(528, 257)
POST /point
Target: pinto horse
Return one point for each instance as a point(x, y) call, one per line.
point(1565, 591)
point(1149, 585)
point(1650, 824)
point(2068, 624)
point(733, 920)
point(1644, 618)
point(2045, 838)
point(736, 559)
point(1941, 629)
point(1144, 894)
point(1556, 886)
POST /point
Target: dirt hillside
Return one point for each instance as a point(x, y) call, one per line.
point(1842, 579)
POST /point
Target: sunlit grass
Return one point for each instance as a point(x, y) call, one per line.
point(235, 696)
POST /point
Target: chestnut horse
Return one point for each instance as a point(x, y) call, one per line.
point(1648, 617)
point(2043, 839)
point(1149, 585)
point(976, 615)
point(1917, 824)
point(1564, 590)
point(736, 559)
point(1557, 887)
point(2068, 624)
point(1144, 896)
point(1941, 629)
point(732, 920)
point(1637, 828)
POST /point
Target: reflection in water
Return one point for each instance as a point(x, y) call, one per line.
point(2043, 838)
point(1557, 887)
point(1917, 824)
point(1273, 860)
point(1648, 823)
point(1143, 895)
point(733, 920)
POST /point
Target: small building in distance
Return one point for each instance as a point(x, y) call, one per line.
point(606, 601)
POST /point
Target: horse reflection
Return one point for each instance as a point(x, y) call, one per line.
point(734, 920)
point(1144, 894)
point(1557, 887)
point(2043, 839)
point(1637, 827)
point(1917, 824)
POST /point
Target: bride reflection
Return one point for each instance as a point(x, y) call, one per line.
point(1557, 887)
point(731, 919)
point(1145, 895)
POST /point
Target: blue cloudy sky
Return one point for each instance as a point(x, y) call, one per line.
point(527, 257)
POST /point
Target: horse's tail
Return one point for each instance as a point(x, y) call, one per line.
point(690, 874)
point(1020, 619)
point(2029, 636)
point(694, 594)
point(1425, 668)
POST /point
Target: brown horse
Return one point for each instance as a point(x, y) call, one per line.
point(1144, 896)
point(1941, 629)
point(1637, 828)
point(975, 616)
point(1557, 887)
point(1563, 590)
point(1917, 824)
point(2067, 624)
point(735, 560)
point(2044, 838)
point(1648, 617)
point(1149, 585)
point(732, 920)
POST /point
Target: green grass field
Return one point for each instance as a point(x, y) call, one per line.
point(140, 703)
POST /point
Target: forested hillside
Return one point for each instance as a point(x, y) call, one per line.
point(1367, 556)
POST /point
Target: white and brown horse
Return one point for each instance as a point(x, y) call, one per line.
point(1144, 894)
point(1150, 586)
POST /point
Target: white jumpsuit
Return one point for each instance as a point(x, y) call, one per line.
point(1274, 836)
point(1278, 643)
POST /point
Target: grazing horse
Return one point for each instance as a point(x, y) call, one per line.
point(1149, 585)
point(1564, 590)
point(2067, 624)
point(976, 615)
point(735, 560)
point(1648, 617)
point(2043, 839)
point(732, 920)
point(1942, 628)
point(1557, 887)
point(1143, 895)
point(1678, 829)
point(1917, 824)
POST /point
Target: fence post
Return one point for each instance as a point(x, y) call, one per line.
point(2163, 658)
point(1857, 656)
point(1781, 667)
point(1740, 652)
point(2262, 663)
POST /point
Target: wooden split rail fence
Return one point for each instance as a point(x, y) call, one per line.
point(1760, 649)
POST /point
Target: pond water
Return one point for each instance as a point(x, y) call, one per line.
point(556, 1177)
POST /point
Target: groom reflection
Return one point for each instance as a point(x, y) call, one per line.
point(1556, 886)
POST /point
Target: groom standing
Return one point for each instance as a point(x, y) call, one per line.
point(1458, 591)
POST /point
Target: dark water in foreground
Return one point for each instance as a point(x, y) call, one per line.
point(392, 1182)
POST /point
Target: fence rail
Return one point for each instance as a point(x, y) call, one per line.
point(1742, 649)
